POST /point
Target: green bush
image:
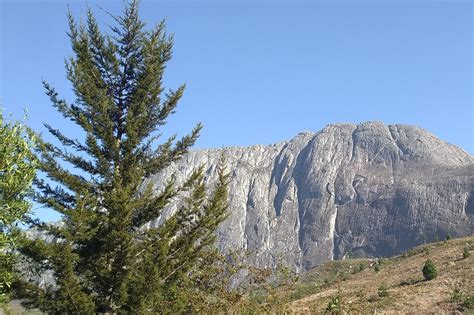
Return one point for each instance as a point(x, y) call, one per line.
point(429, 270)
point(464, 301)
point(468, 302)
point(359, 268)
point(383, 290)
point(335, 305)
point(377, 268)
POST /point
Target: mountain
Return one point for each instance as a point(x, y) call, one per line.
point(348, 190)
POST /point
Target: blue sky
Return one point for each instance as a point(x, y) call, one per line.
point(262, 71)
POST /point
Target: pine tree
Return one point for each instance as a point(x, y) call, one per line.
point(102, 259)
point(429, 270)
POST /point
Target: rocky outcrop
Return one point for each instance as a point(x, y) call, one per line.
point(369, 189)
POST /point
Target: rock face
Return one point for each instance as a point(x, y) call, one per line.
point(369, 189)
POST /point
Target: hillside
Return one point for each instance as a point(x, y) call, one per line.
point(354, 286)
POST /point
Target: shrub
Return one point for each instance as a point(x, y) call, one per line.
point(383, 290)
point(465, 253)
point(359, 268)
point(468, 302)
point(429, 270)
point(377, 268)
point(335, 305)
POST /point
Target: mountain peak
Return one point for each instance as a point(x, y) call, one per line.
point(370, 188)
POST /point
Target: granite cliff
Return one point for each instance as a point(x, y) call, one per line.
point(369, 189)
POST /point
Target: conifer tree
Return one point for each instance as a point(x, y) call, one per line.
point(429, 270)
point(103, 260)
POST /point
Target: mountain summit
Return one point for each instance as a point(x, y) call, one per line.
point(361, 190)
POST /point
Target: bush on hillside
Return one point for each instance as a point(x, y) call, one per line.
point(465, 253)
point(429, 270)
point(468, 302)
point(383, 290)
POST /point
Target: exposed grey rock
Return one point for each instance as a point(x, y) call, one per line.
point(372, 189)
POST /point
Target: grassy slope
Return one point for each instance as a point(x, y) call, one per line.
point(407, 290)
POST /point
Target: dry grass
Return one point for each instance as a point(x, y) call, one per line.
point(408, 292)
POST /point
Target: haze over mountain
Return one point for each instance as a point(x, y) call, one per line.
point(369, 189)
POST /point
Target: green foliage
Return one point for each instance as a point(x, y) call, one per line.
point(468, 302)
point(17, 170)
point(335, 305)
point(383, 290)
point(377, 268)
point(429, 270)
point(463, 300)
point(360, 267)
point(465, 253)
point(103, 259)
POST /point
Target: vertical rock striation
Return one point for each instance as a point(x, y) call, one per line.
point(371, 189)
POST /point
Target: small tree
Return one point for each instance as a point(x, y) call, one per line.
point(17, 170)
point(429, 270)
point(104, 260)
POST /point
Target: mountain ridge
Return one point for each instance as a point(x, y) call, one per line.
point(371, 189)
point(337, 124)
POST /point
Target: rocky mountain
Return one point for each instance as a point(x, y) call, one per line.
point(369, 189)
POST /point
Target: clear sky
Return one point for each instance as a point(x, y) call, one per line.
point(262, 71)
